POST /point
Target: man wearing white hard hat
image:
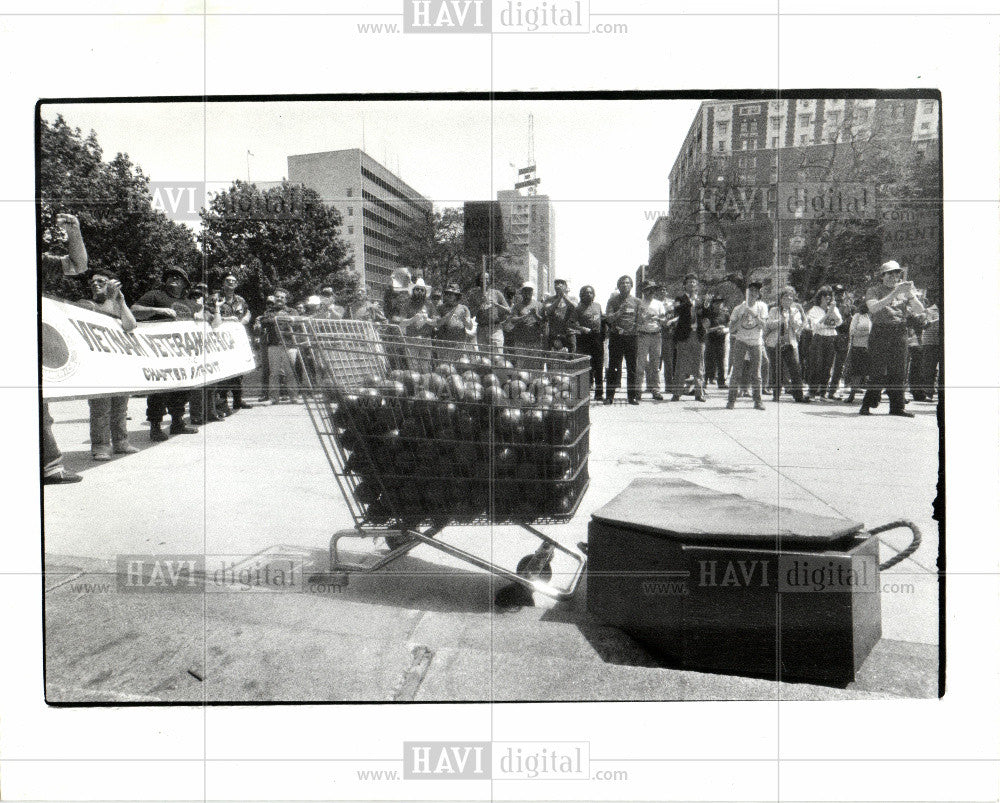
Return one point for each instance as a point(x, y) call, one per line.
point(889, 302)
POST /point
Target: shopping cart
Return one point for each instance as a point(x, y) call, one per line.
point(425, 434)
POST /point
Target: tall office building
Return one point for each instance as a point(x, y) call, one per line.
point(753, 148)
point(529, 229)
point(373, 202)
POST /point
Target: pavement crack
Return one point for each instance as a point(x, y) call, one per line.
point(409, 684)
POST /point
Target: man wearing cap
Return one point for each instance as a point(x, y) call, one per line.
point(689, 340)
point(454, 322)
point(167, 303)
point(233, 307)
point(888, 303)
point(649, 326)
point(525, 326)
point(108, 413)
point(747, 327)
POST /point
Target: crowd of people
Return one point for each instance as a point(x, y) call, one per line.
point(176, 299)
point(886, 338)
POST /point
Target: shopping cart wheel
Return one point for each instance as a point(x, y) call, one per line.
point(513, 597)
point(396, 541)
point(540, 570)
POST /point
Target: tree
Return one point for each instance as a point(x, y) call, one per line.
point(434, 247)
point(899, 176)
point(283, 236)
point(122, 230)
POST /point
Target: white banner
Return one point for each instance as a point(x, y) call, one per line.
point(86, 354)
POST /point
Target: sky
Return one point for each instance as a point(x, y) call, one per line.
point(603, 163)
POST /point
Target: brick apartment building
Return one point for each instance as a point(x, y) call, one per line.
point(747, 157)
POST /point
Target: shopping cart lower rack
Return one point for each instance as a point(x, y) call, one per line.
point(424, 434)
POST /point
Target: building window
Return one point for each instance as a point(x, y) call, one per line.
point(925, 126)
point(350, 211)
point(749, 110)
point(722, 145)
point(863, 115)
point(747, 161)
point(776, 122)
point(803, 139)
point(774, 142)
point(749, 144)
point(805, 120)
point(722, 127)
point(927, 106)
point(350, 192)
point(350, 229)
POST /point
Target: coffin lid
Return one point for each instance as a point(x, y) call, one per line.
point(682, 510)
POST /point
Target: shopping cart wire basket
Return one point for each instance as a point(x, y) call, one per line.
point(422, 434)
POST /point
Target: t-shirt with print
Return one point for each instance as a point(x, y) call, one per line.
point(747, 322)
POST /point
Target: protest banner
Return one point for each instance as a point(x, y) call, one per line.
point(86, 354)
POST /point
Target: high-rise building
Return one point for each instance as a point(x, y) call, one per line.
point(374, 203)
point(754, 152)
point(529, 228)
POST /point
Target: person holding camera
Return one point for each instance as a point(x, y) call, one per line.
point(889, 302)
point(108, 430)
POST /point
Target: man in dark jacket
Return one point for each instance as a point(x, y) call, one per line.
point(167, 303)
point(689, 340)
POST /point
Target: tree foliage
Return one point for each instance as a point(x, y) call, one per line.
point(283, 236)
point(434, 247)
point(122, 231)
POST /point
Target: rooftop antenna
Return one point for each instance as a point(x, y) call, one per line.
point(532, 189)
point(531, 140)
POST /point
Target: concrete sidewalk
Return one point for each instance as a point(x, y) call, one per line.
point(425, 628)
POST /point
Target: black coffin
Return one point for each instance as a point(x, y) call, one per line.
point(715, 581)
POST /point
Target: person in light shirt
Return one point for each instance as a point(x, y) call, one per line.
point(649, 339)
point(785, 323)
point(822, 319)
point(857, 352)
point(747, 327)
point(889, 302)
